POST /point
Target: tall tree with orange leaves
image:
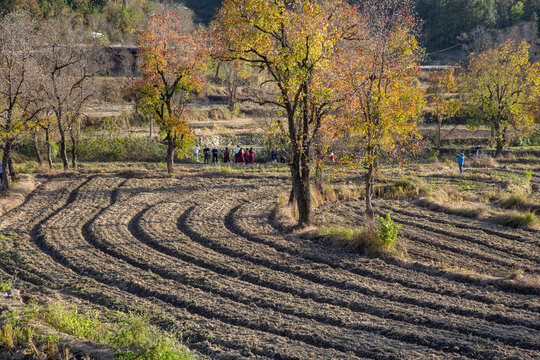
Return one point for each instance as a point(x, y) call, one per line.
point(173, 67)
point(376, 73)
point(293, 41)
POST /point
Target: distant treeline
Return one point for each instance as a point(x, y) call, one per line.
point(443, 20)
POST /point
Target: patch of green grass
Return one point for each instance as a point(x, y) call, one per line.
point(131, 334)
point(82, 325)
point(5, 285)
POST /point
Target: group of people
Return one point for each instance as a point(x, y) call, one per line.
point(240, 156)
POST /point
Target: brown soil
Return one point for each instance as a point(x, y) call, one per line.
point(200, 254)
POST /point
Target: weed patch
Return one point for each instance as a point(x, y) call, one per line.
point(372, 238)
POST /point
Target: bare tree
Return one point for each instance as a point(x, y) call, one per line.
point(69, 66)
point(19, 101)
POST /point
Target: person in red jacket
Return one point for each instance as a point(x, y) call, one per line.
point(246, 156)
point(240, 156)
point(251, 161)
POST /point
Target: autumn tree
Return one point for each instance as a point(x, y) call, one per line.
point(501, 87)
point(377, 74)
point(19, 82)
point(293, 41)
point(69, 66)
point(441, 97)
point(173, 67)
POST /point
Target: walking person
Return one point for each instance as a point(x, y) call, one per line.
point(236, 151)
point(226, 155)
point(214, 155)
point(196, 152)
point(246, 156)
point(206, 154)
point(251, 160)
point(239, 156)
point(460, 161)
point(273, 155)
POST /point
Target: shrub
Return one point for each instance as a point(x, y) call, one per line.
point(387, 231)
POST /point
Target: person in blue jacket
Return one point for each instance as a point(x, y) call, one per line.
point(460, 161)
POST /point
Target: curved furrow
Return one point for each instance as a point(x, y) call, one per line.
point(176, 246)
point(384, 271)
point(88, 260)
point(482, 241)
point(243, 224)
point(33, 261)
point(333, 278)
point(247, 293)
point(530, 239)
point(9, 214)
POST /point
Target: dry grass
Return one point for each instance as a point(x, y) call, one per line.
point(463, 208)
point(487, 162)
point(519, 201)
point(365, 239)
point(515, 219)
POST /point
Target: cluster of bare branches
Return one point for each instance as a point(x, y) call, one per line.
point(47, 74)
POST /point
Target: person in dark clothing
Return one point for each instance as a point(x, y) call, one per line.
point(226, 155)
point(214, 155)
point(476, 151)
point(206, 153)
point(246, 156)
point(273, 156)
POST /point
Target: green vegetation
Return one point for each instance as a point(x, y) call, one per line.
point(116, 20)
point(369, 238)
point(387, 231)
point(444, 21)
point(5, 285)
point(130, 334)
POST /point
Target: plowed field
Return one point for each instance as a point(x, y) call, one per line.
point(202, 256)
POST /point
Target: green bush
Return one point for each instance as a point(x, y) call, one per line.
point(387, 231)
point(97, 148)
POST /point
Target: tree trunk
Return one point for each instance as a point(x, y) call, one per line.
point(370, 213)
point(439, 125)
point(34, 143)
point(301, 188)
point(6, 181)
point(73, 151)
point(63, 147)
point(12, 173)
point(171, 143)
point(49, 155)
point(217, 69)
point(501, 140)
point(319, 177)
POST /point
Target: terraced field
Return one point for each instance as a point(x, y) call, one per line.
point(202, 256)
